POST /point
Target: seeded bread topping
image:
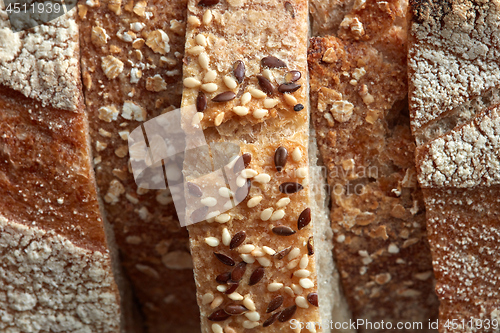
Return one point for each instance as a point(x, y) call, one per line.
point(132, 63)
point(254, 264)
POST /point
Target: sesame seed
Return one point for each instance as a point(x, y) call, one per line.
point(207, 298)
point(219, 315)
point(222, 288)
point(216, 328)
point(253, 316)
point(304, 219)
point(231, 289)
point(257, 275)
point(224, 97)
point(301, 302)
point(304, 261)
point(191, 82)
point(209, 201)
point(260, 113)
point(269, 321)
point(297, 154)
point(237, 240)
point(245, 98)
point(262, 178)
point(287, 314)
point(248, 258)
point(268, 250)
point(222, 218)
point(209, 87)
point(194, 190)
point(393, 248)
point(275, 286)
point(235, 309)
point(224, 259)
point(247, 248)
point(210, 76)
point(240, 110)
point(268, 74)
point(266, 214)
point(290, 99)
point(272, 62)
point(280, 157)
point(226, 237)
point(216, 302)
point(301, 273)
point(313, 299)
point(194, 21)
point(207, 17)
point(289, 291)
point(218, 120)
point(239, 71)
point(249, 324)
point(208, 2)
point(293, 76)
point(297, 289)
point(282, 230)
point(301, 173)
point(248, 173)
point(248, 303)
point(197, 118)
point(254, 201)
point(278, 215)
point(235, 296)
point(290, 187)
point(201, 40)
point(294, 253)
point(306, 283)
point(225, 192)
point(298, 107)
point(201, 102)
point(258, 253)
point(257, 93)
point(230, 82)
point(223, 278)
point(203, 60)
point(275, 303)
point(288, 88)
point(241, 181)
point(265, 85)
point(199, 214)
point(264, 262)
point(270, 103)
point(282, 202)
point(212, 241)
point(195, 50)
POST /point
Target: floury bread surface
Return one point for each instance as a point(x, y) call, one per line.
point(49, 214)
point(454, 74)
point(254, 264)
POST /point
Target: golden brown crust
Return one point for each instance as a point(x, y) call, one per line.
point(149, 42)
point(363, 133)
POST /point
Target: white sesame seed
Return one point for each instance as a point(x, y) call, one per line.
point(207, 298)
point(260, 113)
point(248, 173)
point(220, 117)
point(304, 261)
point(209, 87)
point(253, 315)
point(265, 262)
point(241, 181)
point(289, 291)
point(240, 110)
point(194, 21)
point(268, 250)
point(268, 74)
point(223, 218)
point(297, 154)
point(247, 248)
point(228, 205)
point(306, 283)
point(201, 40)
point(230, 82)
point(191, 82)
point(211, 216)
point(301, 273)
point(232, 161)
point(248, 303)
point(311, 327)
point(393, 248)
point(301, 173)
point(216, 328)
point(209, 201)
point(212, 241)
point(292, 264)
point(294, 253)
point(297, 289)
point(278, 215)
point(290, 100)
point(216, 302)
point(203, 60)
point(340, 238)
point(222, 288)
point(207, 17)
point(254, 201)
point(210, 76)
point(195, 50)
point(245, 98)
point(257, 93)
point(235, 296)
point(225, 192)
point(248, 258)
point(301, 302)
point(282, 202)
point(266, 214)
point(262, 178)
point(270, 103)
point(226, 237)
point(258, 253)
point(250, 324)
point(275, 286)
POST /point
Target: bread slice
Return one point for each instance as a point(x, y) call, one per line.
point(239, 72)
point(358, 98)
point(56, 273)
point(454, 73)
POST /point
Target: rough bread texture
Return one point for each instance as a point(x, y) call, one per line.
point(56, 269)
point(259, 119)
point(358, 96)
point(453, 64)
point(131, 64)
